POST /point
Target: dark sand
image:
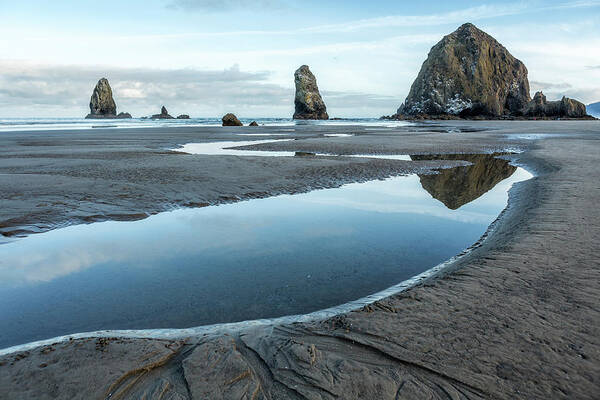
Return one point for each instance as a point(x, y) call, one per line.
point(517, 317)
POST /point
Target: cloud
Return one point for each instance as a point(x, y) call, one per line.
point(392, 21)
point(64, 90)
point(588, 95)
point(548, 85)
point(585, 95)
point(592, 67)
point(140, 89)
point(355, 100)
point(224, 5)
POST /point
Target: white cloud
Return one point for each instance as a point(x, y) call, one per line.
point(224, 5)
point(65, 90)
point(453, 17)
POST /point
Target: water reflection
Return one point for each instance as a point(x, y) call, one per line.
point(255, 259)
point(456, 187)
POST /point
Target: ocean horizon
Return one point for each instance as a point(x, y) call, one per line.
point(66, 123)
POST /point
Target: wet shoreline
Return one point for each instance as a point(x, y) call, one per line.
point(479, 309)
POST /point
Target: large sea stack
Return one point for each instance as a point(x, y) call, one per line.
point(308, 101)
point(102, 104)
point(468, 73)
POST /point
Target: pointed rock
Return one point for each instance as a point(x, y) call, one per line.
point(468, 73)
point(102, 104)
point(164, 114)
point(308, 102)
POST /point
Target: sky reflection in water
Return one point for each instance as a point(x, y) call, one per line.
point(255, 259)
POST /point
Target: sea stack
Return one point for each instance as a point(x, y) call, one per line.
point(102, 104)
point(164, 114)
point(308, 101)
point(566, 108)
point(230, 119)
point(468, 73)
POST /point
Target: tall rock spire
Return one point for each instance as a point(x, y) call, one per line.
point(102, 104)
point(308, 101)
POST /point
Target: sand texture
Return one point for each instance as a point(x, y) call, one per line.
point(517, 317)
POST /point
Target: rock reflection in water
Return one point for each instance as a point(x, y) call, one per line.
point(456, 187)
point(262, 258)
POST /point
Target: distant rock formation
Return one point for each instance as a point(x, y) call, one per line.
point(102, 104)
point(231, 120)
point(566, 108)
point(123, 115)
point(468, 73)
point(164, 114)
point(253, 123)
point(308, 101)
point(594, 109)
point(183, 116)
point(456, 187)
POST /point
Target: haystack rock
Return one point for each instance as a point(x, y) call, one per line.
point(566, 108)
point(468, 73)
point(231, 120)
point(164, 114)
point(308, 101)
point(102, 104)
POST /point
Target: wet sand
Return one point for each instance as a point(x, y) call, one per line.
point(515, 318)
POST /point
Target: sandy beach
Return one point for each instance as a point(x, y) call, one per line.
point(514, 318)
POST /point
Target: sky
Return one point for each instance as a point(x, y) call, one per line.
point(209, 57)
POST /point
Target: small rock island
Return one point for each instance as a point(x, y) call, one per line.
point(230, 119)
point(164, 114)
point(308, 101)
point(102, 104)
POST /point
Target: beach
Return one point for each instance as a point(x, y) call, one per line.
point(515, 317)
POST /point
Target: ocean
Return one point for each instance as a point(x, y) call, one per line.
point(28, 124)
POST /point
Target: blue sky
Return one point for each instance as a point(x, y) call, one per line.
point(208, 57)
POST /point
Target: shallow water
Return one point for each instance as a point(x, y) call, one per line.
point(254, 259)
point(26, 124)
point(230, 148)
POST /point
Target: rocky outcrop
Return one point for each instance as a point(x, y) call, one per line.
point(253, 123)
point(565, 108)
point(164, 114)
point(231, 120)
point(468, 73)
point(102, 104)
point(308, 102)
point(123, 115)
point(456, 187)
point(183, 116)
